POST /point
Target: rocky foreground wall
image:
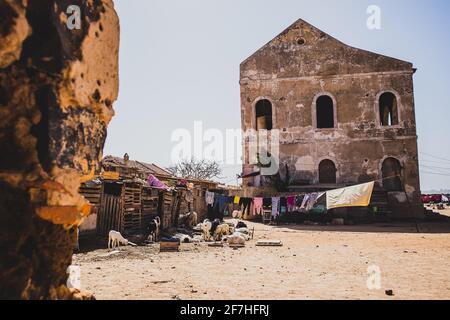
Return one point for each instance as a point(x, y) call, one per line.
point(57, 87)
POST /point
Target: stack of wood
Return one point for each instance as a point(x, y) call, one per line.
point(167, 209)
point(132, 208)
point(92, 193)
point(150, 202)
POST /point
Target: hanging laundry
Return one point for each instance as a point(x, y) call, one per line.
point(311, 201)
point(246, 204)
point(298, 202)
point(356, 196)
point(209, 197)
point(229, 200)
point(291, 203)
point(283, 205)
point(257, 206)
point(275, 206)
point(219, 202)
point(305, 201)
point(237, 200)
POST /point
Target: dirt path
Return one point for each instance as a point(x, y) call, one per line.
point(314, 263)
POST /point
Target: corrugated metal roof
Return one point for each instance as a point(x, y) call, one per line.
point(139, 166)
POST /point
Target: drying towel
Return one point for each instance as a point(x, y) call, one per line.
point(257, 206)
point(298, 201)
point(312, 201)
point(275, 206)
point(305, 202)
point(356, 196)
point(291, 203)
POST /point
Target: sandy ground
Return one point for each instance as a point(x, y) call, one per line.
point(315, 262)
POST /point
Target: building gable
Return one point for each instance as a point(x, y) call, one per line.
point(303, 50)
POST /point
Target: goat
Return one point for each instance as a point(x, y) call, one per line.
point(153, 229)
point(243, 230)
point(221, 230)
point(197, 239)
point(241, 224)
point(206, 230)
point(191, 219)
point(116, 239)
point(214, 225)
point(236, 239)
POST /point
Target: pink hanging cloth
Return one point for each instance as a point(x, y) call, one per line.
point(257, 206)
point(154, 182)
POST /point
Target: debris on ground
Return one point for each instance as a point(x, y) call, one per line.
point(169, 245)
point(215, 244)
point(269, 243)
point(109, 254)
point(389, 293)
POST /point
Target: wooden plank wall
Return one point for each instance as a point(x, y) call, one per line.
point(132, 210)
point(110, 215)
point(150, 201)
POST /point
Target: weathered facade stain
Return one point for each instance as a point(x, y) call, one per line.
point(303, 64)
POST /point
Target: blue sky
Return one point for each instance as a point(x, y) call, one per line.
point(179, 63)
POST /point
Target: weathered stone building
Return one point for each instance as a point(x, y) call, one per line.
point(345, 116)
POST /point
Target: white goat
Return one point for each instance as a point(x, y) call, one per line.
point(236, 239)
point(197, 239)
point(206, 229)
point(246, 236)
point(116, 239)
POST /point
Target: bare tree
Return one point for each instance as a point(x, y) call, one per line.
point(196, 169)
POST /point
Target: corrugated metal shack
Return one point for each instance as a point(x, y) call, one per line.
point(123, 201)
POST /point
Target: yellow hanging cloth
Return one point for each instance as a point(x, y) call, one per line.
point(236, 200)
point(356, 196)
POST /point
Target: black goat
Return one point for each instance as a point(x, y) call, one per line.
point(153, 229)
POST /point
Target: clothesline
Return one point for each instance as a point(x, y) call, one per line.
point(280, 194)
point(353, 196)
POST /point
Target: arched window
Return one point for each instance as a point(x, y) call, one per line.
point(327, 172)
point(392, 171)
point(264, 115)
point(325, 112)
point(388, 109)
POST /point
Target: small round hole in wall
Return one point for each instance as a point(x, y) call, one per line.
point(301, 41)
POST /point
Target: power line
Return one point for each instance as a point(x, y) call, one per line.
point(433, 161)
point(436, 173)
point(435, 157)
point(433, 167)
